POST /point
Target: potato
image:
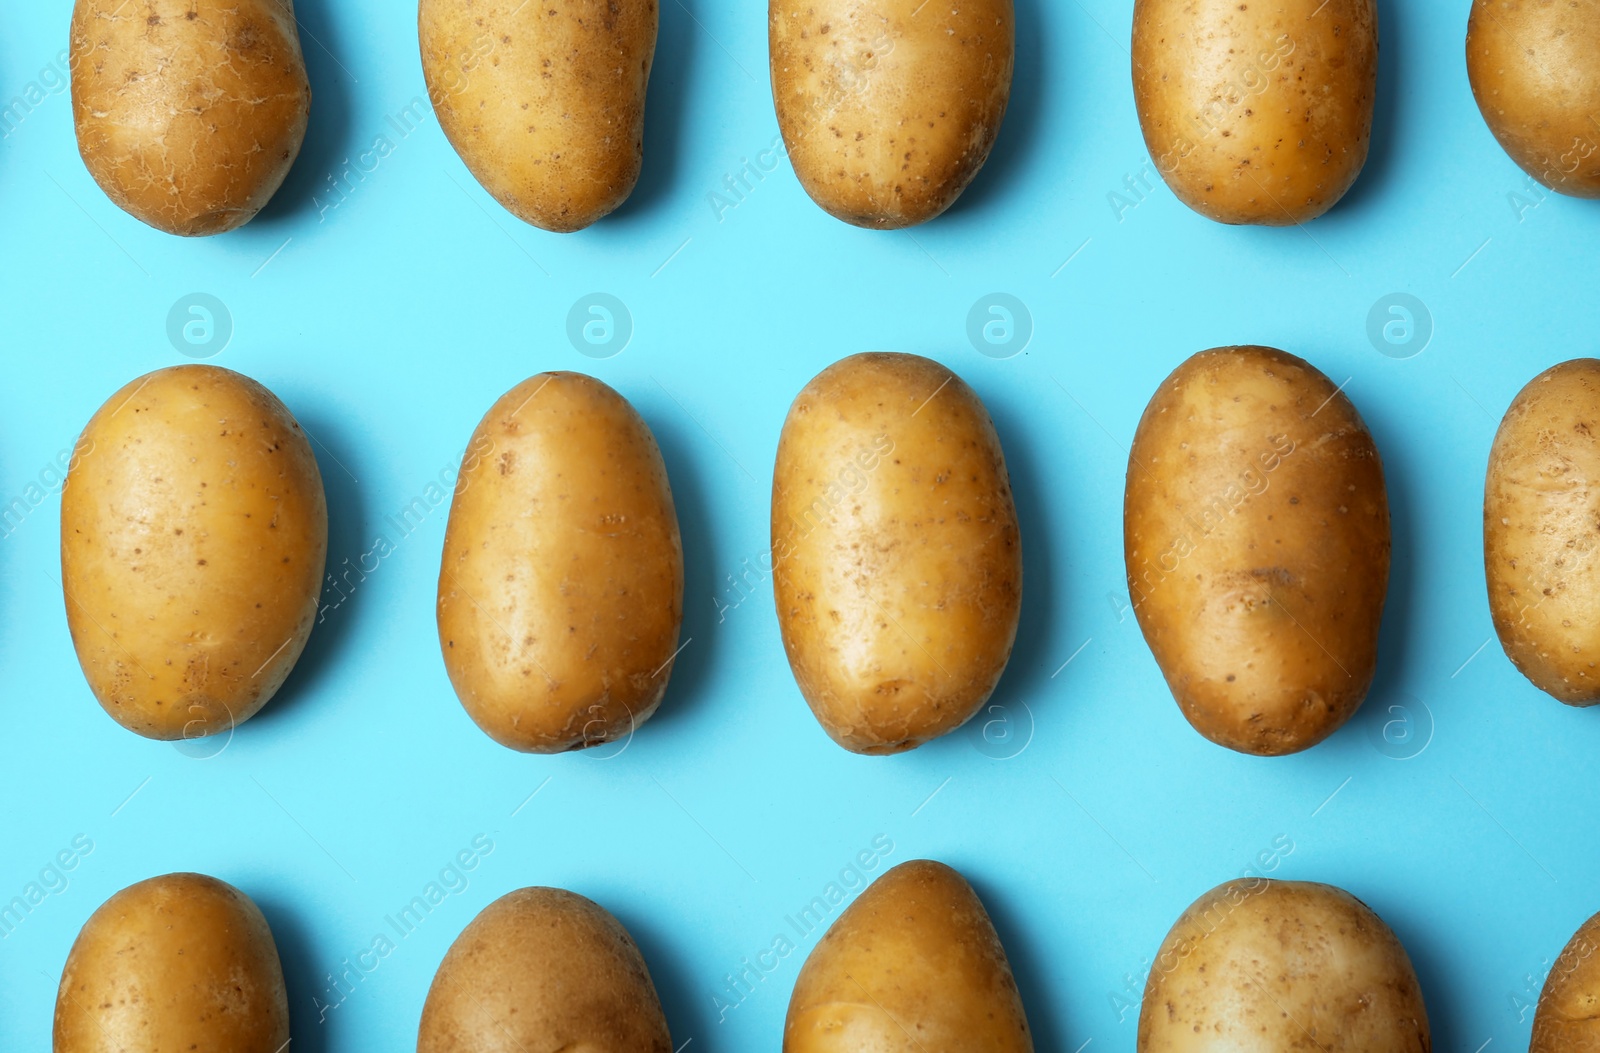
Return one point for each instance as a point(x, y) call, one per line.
point(543, 969)
point(1541, 531)
point(189, 113)
point(897, 565)
point(889, 108)
point(1535, 71)
point(561, 586)
point(1256, 534)
point(180, 962)
point(543, 101)
point(1281, 965)
point(1258, 112)
point(1567, 1019)
point(912, 966)
point(193, 536)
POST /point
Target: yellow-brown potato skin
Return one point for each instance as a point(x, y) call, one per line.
point(1256, 534)
point(889, 108)
point(544, 101)
point(561, 587)
point(180, 962)
point(1567, 1019)
point(897, 563)
point(194, 530)
point(1256, 112)
point(1263, 965)
point(1541, 531)
point(543, 969)
point(1535, 71)
point(189, 113)
point(912, 966)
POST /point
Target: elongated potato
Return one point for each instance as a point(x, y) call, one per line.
point(1266, 965)
point(897, 565)
point(1541, 531)
point(889, 108)
point(543, 101)
point(180, 962)
point(1256, 112)
point(193, 536)
point(1256, 533)
point(543, 969)
point(912, 966)
point(1567, 1019)
point(1535, 71)
point(189, 113)
point(561, 587)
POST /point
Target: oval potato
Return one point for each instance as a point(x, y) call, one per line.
point(1281, 965)
point(543, 969)
point(180, 962)
point(912, 966)
point(194, 531)
point(1567, 1019)
point(543, 101)
point(897, 563)
point(189, 113)
point(1535, 71)
point(1256, 535)
point(561, 586)
point(1541, 531)
point(1259, 112)
point(889, 108)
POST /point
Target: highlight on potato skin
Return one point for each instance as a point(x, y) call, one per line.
point(1565, 1020)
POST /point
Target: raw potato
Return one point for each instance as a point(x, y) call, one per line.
point(180, 962)
point(543, 969)
point(189, 112)
point(561, 586)
point(912, 966)
point(889, 108)
point(193, 535)
point(543, 101)
point(1256, 112)
point(1541, 531)
point(1256, 534)
point(897, 565)
point(1272, 966)
point(1568, 1017)
point(1535, 71)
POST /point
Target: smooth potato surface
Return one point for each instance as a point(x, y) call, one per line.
point(912, 966)
point(1270, 966)
point(1541, 531)
point(897, 564)
point(1256, 112)
point(1256, 535)
point(189, 113)
point(180, 962)
point(889, 108)
point(193, 536)
point(1535, 71)
point(561, 586)
point(1567, 1019)
point(543, 969)
point(543, 101)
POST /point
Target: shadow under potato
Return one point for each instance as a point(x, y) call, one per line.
point(1021, 132)
point(685, 1010)
point(665, 114)
point(308, 1033)
point(1042, 1010)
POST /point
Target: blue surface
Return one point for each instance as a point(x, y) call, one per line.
point(391, 320)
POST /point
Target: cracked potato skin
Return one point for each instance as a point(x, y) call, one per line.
point(561, 583)
point(544, 102)
point(889, 108)
point(194, 532)
point(1256, 538)
point(1257, 964)
point(897, 562)
point(1541, 531)
point(189, 113)
point(1257, 112)
point(1567, 1019)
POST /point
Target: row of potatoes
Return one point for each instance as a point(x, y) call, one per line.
point(194, 539)
point(189, 113)
point(914, 965)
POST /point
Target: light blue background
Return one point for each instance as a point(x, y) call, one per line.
point(390, 322)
